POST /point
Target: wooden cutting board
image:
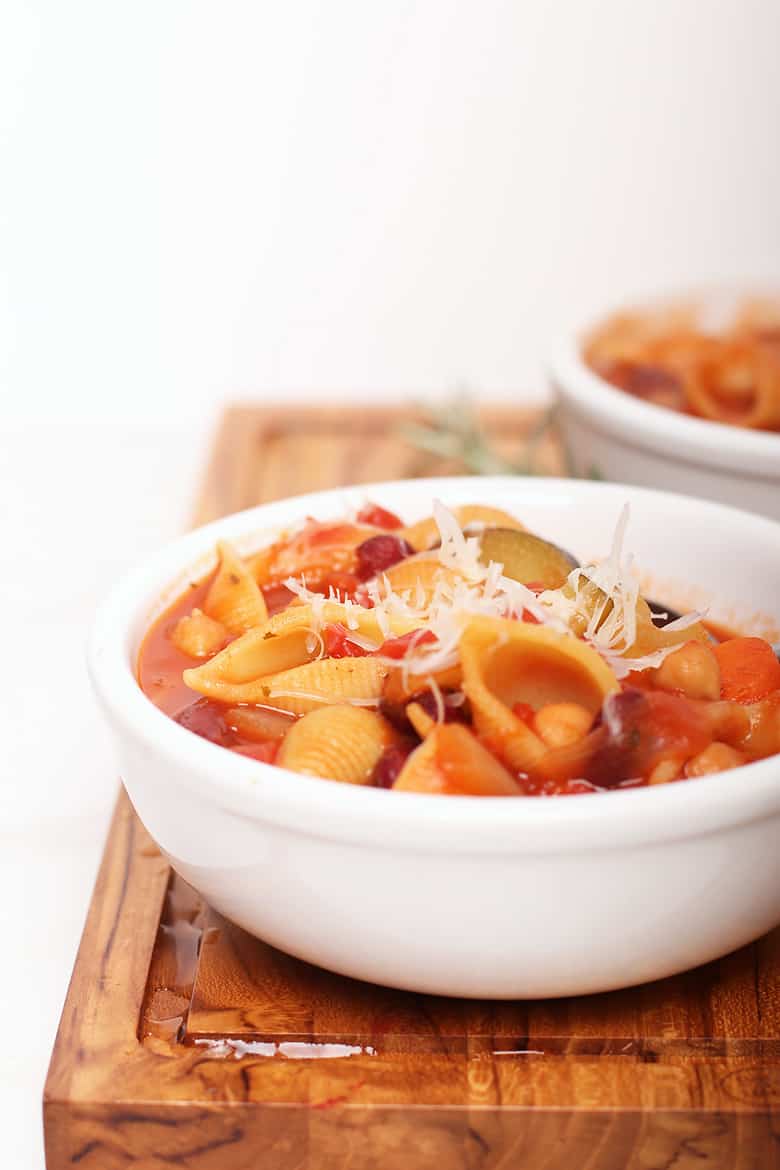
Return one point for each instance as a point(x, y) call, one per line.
point(185, 1042)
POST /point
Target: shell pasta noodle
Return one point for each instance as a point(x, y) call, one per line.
point(725, 370)
point(408, 657)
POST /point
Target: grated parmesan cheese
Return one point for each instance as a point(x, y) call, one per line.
point(438, 698)
point(315, 641)
point(315, 600)
point(456, 551)
point(311, 697)
point(466, 587)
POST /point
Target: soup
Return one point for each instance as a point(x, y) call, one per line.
point(725, 370)
point(459, 655)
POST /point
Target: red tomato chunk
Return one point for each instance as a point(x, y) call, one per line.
point(378, 517)
point(338, 643)
point(399, 647)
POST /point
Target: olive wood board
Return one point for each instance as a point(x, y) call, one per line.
point(186, 1042)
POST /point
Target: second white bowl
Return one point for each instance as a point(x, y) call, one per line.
point(620, 438)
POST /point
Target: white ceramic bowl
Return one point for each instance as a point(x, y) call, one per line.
point(629, 441)
point(457, 895)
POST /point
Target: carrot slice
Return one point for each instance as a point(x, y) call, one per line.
point(749, 670)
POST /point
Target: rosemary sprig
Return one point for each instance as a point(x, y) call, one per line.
point(453, 432)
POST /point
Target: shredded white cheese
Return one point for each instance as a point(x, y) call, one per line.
point(687, 619)
point(363, 641)
point(311, 697)
point(457, 551)
point(610, 623)
point(438, 698)
point(315, 600)
point(466, 587)
point(315, 641)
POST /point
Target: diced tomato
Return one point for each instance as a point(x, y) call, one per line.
point(265, 752)
point(338, 643)
point(361, 597)
point(749, 669)
point(345, 584)
point(330, 534)
point(523, 711)
point(378, 517)
point(526, 615)
point(398, 647)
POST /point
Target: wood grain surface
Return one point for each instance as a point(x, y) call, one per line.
point(185, 1042)
point(268, 454)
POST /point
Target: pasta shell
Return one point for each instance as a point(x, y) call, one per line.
point(506, 734)
point(328, 681)
point(528, 663)
point(260, 564)
point(650, 637)
point(452, 760)
point(421, 721)
point(419, 773)
point(251, 657)
point(339, 743)
point(198, 635)
point(425, 534)
point(420, 576)
point(507, 662)
point(354, 617)
point(234, 597)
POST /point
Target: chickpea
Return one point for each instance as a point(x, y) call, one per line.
point(692, 671)
point(562, 724)
point(718, 757)
point(198, 635)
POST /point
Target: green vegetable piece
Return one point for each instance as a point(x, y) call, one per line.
point(526, 558)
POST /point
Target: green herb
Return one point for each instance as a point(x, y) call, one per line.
point(453, 432)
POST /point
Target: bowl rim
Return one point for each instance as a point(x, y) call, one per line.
point(323, 808)
point(750, 453)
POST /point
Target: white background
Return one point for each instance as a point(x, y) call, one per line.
point(201, 201)
point(211, 199)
